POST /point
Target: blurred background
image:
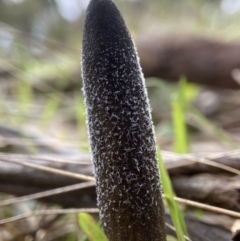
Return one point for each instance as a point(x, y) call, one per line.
point(40, 44)
point(190, 55)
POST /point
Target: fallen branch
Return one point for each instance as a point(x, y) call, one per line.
point(217, 190)
point(18, 180)
point(201, 60)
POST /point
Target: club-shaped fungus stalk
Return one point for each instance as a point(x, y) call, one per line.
point(120, 129)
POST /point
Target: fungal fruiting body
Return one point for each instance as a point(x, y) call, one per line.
point(120, 129)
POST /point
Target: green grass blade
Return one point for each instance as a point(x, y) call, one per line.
point(91, 228)
point(182, 92)
point(175, 211)
point(180, 129)
point(179, 106)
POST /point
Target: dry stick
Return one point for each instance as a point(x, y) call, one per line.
point(172, 228)
point(48, 193)
point(215, 156)
point(48, 212)
point(206, 207)
point(50, 169)
point(212, 163)
point(43, 158)
point(23, 142)
point(206, 160)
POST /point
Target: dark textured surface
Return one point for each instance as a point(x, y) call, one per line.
point(120, 129)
